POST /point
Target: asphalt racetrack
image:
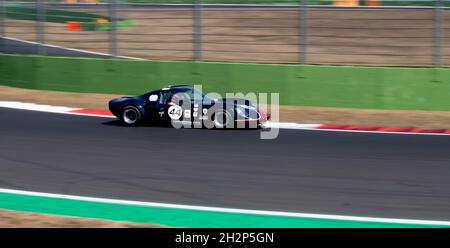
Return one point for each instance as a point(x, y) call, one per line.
point(359, 174)
point(11, 45)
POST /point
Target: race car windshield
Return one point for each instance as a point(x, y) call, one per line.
point(195, 94)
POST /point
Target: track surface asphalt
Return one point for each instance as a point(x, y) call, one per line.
point(361, 174)
point(22, 47)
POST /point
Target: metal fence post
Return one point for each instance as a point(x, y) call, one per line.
point(113, 27)
point(303, 31)
point(197, 29)
point(437, 33)
point(2, 23)
point(40, 26)
point(2, 18)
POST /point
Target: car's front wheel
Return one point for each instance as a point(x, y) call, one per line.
point(131, 115)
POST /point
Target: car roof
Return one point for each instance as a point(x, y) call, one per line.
point(181, 87)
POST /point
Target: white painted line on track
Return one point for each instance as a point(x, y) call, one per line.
point(46, 108)
point(226, 210)
point(92, 115)
point(290, 125)
point(36, 107)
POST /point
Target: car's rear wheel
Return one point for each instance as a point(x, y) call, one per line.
point(222, 118)
point(131, 115)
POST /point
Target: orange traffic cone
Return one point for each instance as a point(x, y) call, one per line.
point(101, 20)
point(346, 2)
point(73, 26)
point(372, 2)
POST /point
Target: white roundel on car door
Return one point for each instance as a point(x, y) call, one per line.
point(175, 112)
point(153, 98)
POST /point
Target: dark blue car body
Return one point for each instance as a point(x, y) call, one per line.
point(153, 108)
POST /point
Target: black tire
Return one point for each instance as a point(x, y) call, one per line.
point(222, 119)
point(131, 115)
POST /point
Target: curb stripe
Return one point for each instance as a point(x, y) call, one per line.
point(385, 129)
point(226, 210)
point(394, 129)
point(281, 125)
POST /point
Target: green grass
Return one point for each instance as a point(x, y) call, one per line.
point(298, 85)
point(52, 15)
point(21, 12)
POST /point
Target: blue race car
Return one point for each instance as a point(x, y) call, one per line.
point(185, 105)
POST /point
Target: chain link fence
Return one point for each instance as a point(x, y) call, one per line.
point(395, 33)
